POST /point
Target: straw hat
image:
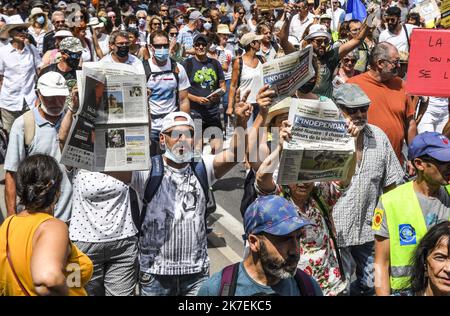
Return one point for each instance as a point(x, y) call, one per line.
point(223, 29)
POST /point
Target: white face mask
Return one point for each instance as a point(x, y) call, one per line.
point(132, 25)
point(51, 112)
point(173, 155)
point(360, 124)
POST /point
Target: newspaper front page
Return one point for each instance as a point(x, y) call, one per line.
point(288, 73)
point(320, 148)
point(110, 132)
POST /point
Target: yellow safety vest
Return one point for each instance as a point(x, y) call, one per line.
point(407, 227)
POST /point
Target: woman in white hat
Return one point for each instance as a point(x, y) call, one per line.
point(38, 28)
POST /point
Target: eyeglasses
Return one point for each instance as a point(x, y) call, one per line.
point(72, 54)
point(166, 22)
point(159, 46)
point(176, 134)
point(241, 13)
point(174, 34)
point(122, 44)
point(396, 63)
point(362, 109)
point(156, 24)
point(322, 42)
point(346, 60)
point(392, 20)
point(59, 22)
point(164, 10)
point(200, 44)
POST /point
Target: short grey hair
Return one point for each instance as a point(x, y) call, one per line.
point(142, 12)
point(57, 13)
point(381, 51)
point(116, 34)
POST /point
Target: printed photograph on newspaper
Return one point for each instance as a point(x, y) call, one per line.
point(320, 148)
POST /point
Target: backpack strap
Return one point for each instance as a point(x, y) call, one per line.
point(29, 128)
point(176, 71)
point(147, 68)
point(200, 172)
point(152, 184)
point(407, 37)
point(304, 283)
point(228, 280)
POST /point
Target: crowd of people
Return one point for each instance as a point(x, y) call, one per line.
point(384, 230)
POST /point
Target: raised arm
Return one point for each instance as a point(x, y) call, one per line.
point(284, 32)
point(346, 48)
point(233, 86)
point(264, 175)
point(224, 161)
point(257, 149)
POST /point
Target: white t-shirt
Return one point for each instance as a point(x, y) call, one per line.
point(163, 97)
point(400, 41)
point(338, 17)
point(174, 240)
point(297, 27)
point(101, 208)
point(132, 60)
point(224, 55)
point(103, 42)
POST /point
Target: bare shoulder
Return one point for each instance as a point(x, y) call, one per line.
point(52, 227)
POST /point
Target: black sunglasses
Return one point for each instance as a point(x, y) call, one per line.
point(72, 54)
point(158, 46)
point(177, 134)
point(351, 111)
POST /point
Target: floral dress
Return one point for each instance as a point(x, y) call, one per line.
point(317, 256)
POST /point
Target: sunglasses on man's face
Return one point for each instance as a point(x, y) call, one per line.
point(173, 34)
point(351, 111)
point(349, 60)
point(200, 44)
point(159, 46)
point(72, 54)
point(391, 20)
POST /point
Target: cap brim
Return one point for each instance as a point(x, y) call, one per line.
point(177, 123)
point(48, 92)
point(287, 226)
point(318, 34)
point(441, 154)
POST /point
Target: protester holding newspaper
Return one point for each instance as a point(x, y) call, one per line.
point(328, 58)
point(377, 171)
point(314, 201)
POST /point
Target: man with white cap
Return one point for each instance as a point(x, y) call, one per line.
point(37, 132)
point(173, 245)
point(188, 32)
point(328, 57)
point(18, 68)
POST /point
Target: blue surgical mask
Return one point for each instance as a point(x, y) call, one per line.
point(161, 54)
point(180, 21)
point(207, 26)
point(40, 20)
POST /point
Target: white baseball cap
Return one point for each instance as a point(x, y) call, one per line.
point(52, 84)
point(170, 121)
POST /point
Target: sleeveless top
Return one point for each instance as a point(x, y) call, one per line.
point(21, 231)
point(251, 79)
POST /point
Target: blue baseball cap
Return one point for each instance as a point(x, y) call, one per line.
point(432, 144)
point(272, 214)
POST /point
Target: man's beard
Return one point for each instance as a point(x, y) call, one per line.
point(360, 124)
point(277, 268)
point(388, 75)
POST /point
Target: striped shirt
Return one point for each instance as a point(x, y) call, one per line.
point(173, 238)
point(379, 168)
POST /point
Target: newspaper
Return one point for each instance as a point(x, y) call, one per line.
point(110, 132)
point(288, 73)
point(320, 148)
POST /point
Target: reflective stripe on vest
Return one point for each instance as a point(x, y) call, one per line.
point(407, 227)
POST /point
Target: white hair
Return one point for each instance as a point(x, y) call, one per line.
point(141, 11)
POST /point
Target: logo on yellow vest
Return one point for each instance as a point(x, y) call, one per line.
point(377, 219)
point(407, 234)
